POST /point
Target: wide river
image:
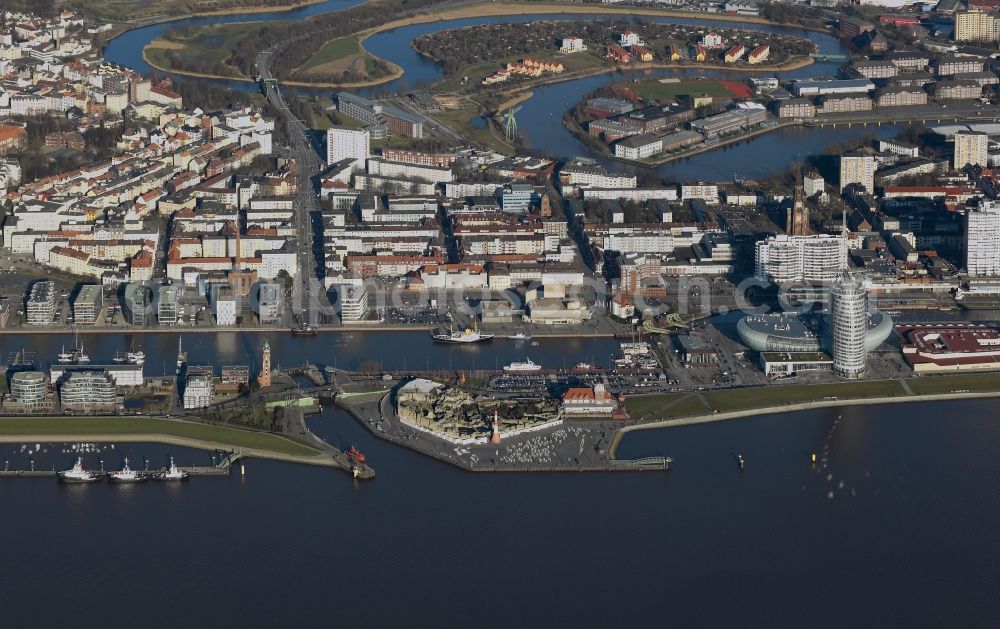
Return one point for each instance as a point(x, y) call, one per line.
point(895, 526)
point(540, 117)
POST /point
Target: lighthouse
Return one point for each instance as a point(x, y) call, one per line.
point(495, 439)
point(264, 378)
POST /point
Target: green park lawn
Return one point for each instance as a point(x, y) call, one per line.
point(973, 383)
point(654, 90)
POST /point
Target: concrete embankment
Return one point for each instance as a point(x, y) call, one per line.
point(789, 408)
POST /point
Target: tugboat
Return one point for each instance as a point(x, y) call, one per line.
point(356, 454)
point(78, 475)
point(173, 472)
point(126, 475)
point(468, 335)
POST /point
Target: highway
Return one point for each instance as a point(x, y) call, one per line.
point(308, 166)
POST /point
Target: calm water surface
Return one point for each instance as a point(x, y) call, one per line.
point(908, 540)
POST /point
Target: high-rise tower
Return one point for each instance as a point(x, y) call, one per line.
point(849, 322)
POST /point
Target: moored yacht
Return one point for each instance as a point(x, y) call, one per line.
point(77, 474)
point(520, 336)
point(136, 358)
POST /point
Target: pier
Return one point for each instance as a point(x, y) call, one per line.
point(222, 468)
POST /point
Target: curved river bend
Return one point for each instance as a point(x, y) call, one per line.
point(540, 117)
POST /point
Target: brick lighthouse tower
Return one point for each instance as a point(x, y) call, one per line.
point(264, 378)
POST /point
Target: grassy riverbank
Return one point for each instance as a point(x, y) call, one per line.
point(681, 409)
point(151, 11)
point(670, 406)
point(151, 429)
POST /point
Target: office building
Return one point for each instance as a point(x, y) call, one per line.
point(353, 303)
point(168, 310)
point(345, 143)
point(970, 149)
point(137, 304)
point(87, 304)
point(198, 392)
point(40, 307)
point(857, 169)
point(849, 322)
point(224, 306)
point(269, 303)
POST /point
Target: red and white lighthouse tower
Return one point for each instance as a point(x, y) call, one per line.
point(495, 439)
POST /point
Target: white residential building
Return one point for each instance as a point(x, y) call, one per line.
point(970, 149)
point(982, 240)
point(816, 258)
point(859, 169)
point(346, 143)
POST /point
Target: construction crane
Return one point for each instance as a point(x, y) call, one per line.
point(510, 123)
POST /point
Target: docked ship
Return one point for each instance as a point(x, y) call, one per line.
point(136, 358)
point(173, 472)
point(126, 475)
point(468, 335)
point(520, 336)
point(304, 329)
point(526, 367)
point(77, 474)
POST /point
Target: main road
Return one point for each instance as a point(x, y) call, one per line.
point(308, 166)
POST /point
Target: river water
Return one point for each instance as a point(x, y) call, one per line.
point(908, 540)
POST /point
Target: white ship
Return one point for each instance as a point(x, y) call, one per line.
point(126, 475)
point(527, 366)
point(520, 336)
point(136, 358)
point(77, 474)
point(468, 335)
point(173, 473)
